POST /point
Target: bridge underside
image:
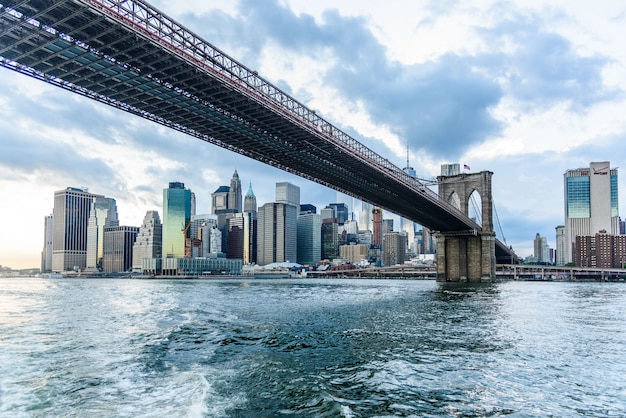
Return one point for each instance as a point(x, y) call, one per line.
point(128, 55)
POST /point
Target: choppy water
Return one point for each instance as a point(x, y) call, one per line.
point(323, 348)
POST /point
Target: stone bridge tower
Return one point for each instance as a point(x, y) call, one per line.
point(467, 255)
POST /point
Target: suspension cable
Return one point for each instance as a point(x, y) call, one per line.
point(495, 211)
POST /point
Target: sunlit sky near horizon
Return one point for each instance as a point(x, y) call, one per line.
point(526, 89)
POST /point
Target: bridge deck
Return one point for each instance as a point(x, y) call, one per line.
point(130, 56)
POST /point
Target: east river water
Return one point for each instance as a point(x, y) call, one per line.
point(310, 348)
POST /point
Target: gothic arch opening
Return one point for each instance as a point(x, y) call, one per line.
point(455, 200)
point(474, 207)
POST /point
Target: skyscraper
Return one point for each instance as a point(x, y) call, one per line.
point(365, 217)
point(103, 213)
point(235, 239)
point(394, 248)
point(288, 193)
point(149, 239)
point(234, 193)
point(71, 211)
point(118, 248)
point(591, 203)
point(176, 217)
point(560, 245)
point(46, 253)
point(249, 201)
point(377, 237)
point(276, 233)
point(309, 238)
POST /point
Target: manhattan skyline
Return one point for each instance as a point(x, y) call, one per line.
point(526, 91)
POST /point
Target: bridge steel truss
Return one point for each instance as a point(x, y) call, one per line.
point(131, 56)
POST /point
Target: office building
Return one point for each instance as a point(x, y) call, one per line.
point(309, 238)
point(394, 248)
point(176, 217)
point(354, 253)
point(72, 207)
point(330, 239)
point(103, 213)
point(591, 203)
point(560, 245)
point(234, 194)
point(118, 248)
point(235, 239)
point(149, 240)
point(342, 212)
point(249, 237)
point(249, 201)
point(277, 233)
point(46, 253)
point(541, 249)
point(377, 219)
point(288, 193)
point(365, 217)
point(307, 208)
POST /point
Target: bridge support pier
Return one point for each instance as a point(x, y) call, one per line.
point(466, 258)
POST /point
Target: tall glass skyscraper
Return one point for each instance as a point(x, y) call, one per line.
point(176, 217)
point(309, 238)
point(591, 203)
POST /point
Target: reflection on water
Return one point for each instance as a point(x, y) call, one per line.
point(310, 348)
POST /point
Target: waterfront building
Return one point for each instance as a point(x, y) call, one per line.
point(71, 211)
point(591, 203)
point(149, 239)
point(601, 250)
point(103, 213)
point(394, 248)
point(185, 267)
point(309, 238)
point(118, 248)
point(354, 253)
point(277, 233)
point(46, 253)
point(288, 193)
point(330, 239)
point(176, 218)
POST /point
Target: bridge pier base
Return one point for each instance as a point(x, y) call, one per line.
point(466, 258)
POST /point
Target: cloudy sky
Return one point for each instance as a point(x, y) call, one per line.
point(526, 89)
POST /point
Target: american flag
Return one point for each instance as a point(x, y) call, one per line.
point(465, 167)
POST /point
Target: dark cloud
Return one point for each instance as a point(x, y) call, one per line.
point(542, 67)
